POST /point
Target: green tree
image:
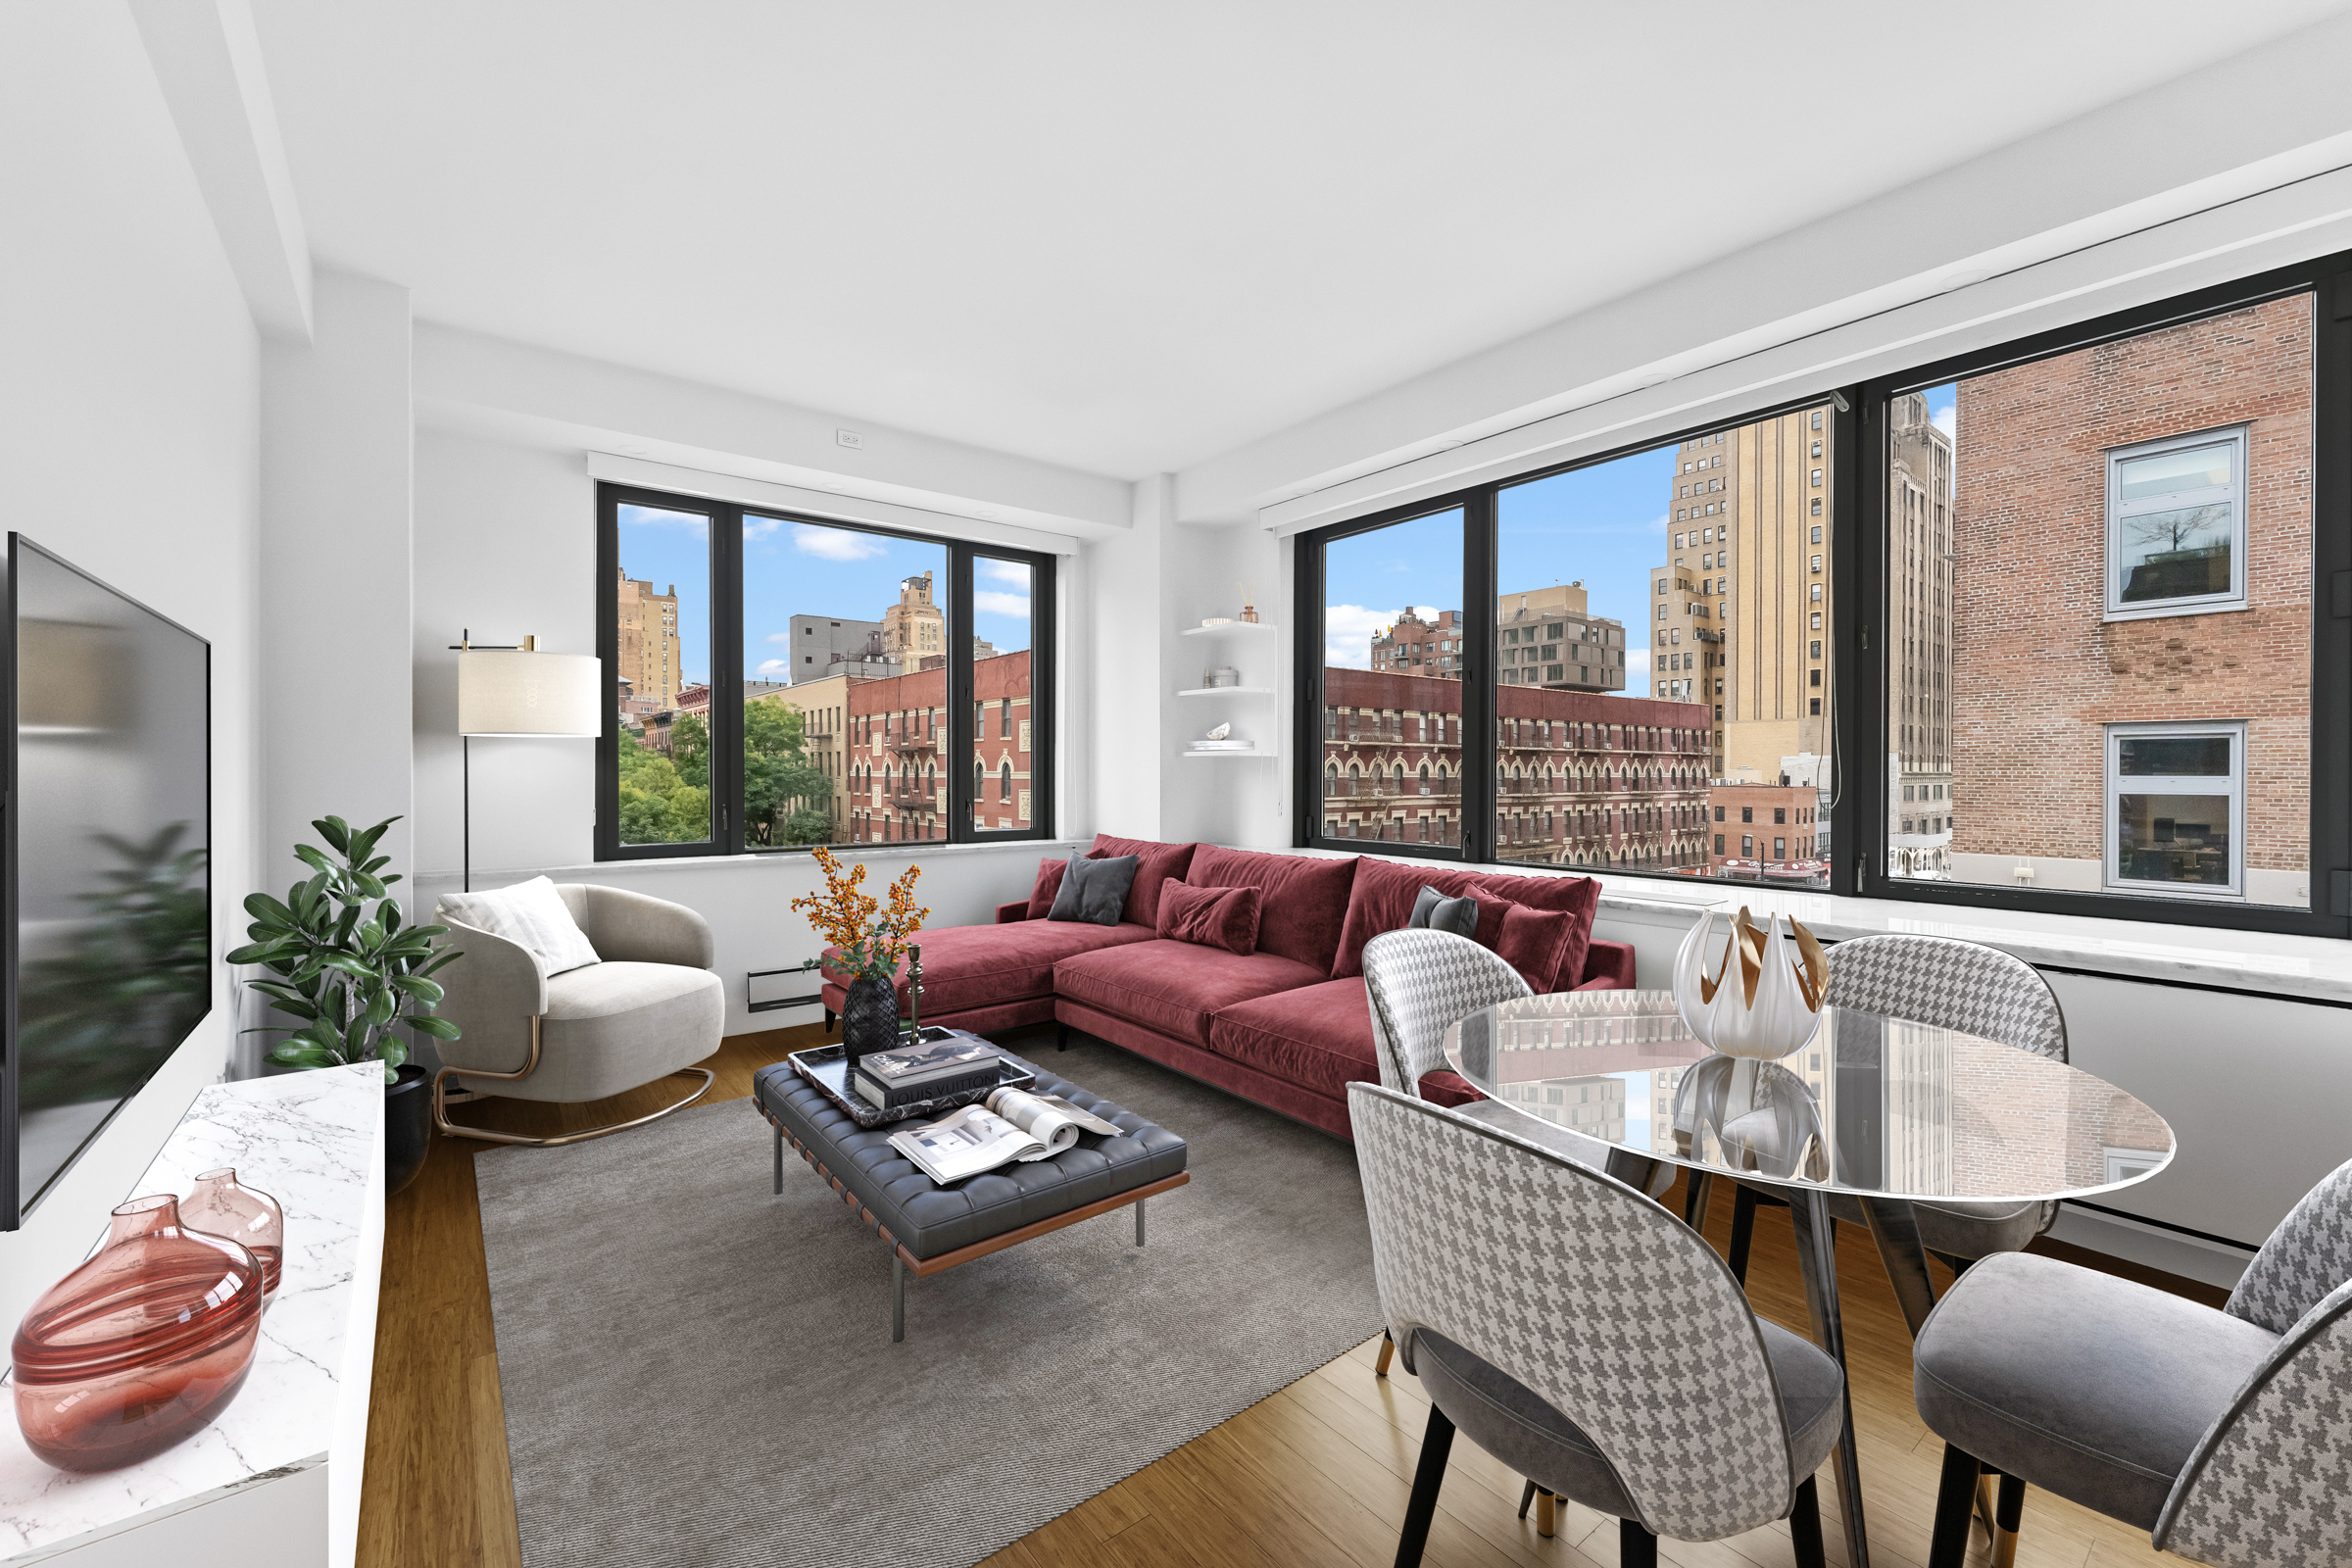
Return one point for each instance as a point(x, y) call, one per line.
point(784, 793)
point(658, 804)
point(690, 750)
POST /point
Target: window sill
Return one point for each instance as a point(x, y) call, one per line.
point(591, 870)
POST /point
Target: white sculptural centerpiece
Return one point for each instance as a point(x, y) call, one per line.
point(1764, 999)
point(1219, 733)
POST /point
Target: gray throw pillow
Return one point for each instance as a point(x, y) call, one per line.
point(1434, 912)
point(1094, 891)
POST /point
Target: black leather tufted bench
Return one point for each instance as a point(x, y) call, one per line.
point(932, 1228)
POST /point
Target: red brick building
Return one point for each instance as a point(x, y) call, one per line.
point(1581, 778)
point(898, 785)
point(1768, 829)
point(2051, 650)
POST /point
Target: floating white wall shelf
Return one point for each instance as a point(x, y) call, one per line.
point(1229, 626)
point(1227, 691)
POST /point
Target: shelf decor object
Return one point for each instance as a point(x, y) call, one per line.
point(141, 1346)
point(1764, 999)
point(220, 1206)
point(504, 690)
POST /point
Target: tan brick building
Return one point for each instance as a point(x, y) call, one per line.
point(1416, 647)
point(651, 656)
point(2067, 624)
point(1919, 646)
point(1548, 637)
point(915, 628)
point(824, 705)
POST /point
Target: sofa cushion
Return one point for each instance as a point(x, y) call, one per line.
point(1094, 890)
point(1212, 918)
point(1384, 890)
point(1318, 1037)
point(1305, 898)
point(1534, 942)
point(1436, 911)
point(968, 967)
point(1175, 986)
point(1160, 862)
point(1049, 883)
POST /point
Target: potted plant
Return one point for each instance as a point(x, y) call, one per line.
point(352, 974)
point(867, 941)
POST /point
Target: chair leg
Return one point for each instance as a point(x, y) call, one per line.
point(828, 1020)
point(1527, 1498)
point(1547, 1514)
point(1436, 1443)
point(531, 1065)
point(1743, 1231)
point(1804, 1527)
point(1955, 1501)
point(2008, 1513)
point(1694, 1204)
point(1062, 1036)
point(1379, 1368)
point(1637, 1548)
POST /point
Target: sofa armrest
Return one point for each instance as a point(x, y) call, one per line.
point(1608, 966)
point(637, 928)
point(1006, 914)
point(491, 992)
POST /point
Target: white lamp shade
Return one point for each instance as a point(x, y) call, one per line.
point(515, 692)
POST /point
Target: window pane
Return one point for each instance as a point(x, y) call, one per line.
point(2174, 838)
point(1002, 619)
point(845, 643)
point(2176, 756)
point(1392, 659)
point(1698, 695)
point(2010, 663)
point(2167, 473)
point(663, 598)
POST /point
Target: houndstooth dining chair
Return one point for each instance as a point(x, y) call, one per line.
point(1418, 984)
point(1949, 984)
point(2220, 1431)
point(1536, 1332)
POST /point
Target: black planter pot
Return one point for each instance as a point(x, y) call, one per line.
point(869, 1017)
point(407, 1127)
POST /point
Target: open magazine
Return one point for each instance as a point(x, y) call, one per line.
point(1011, 1125)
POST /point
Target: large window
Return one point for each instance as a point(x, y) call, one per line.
point(780, 682)
point(2061, 624)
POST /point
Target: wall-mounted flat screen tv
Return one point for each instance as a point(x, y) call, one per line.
point(108, 847)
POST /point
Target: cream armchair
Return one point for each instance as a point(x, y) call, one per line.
point(648, 1011)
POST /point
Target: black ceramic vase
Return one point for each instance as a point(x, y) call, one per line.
point(869, 1017)
point(408, 1126)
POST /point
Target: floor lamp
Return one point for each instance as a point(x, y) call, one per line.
point(521, 691)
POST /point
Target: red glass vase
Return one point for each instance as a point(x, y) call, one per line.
point(219, 1205)
point(139, 1347)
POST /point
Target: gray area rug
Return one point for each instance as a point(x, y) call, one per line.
point(699, 1372)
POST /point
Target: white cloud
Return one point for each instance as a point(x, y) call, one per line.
point(1012, 572)
point(754, 528)
point(691, 523)
point(1657, 524)
point(1637, 672)
point(987, 602)
point(775, 667)
point(834, 544)
point(1347, 634)
point(1947, 419)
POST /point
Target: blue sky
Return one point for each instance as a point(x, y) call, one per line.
point(801, 568)
point(1605, 525)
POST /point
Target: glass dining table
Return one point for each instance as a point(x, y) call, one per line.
point(1886, 1111)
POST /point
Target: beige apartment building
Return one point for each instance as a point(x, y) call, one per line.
point(1919, 641)
point(1741, 608)
point(651, 653)
point(915, 628)
point(1548, 637)
point(824, 705)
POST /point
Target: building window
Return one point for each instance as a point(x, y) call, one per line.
point(2177, 525)
point(735, 717)
point(1779, 849)
point(2176, 809)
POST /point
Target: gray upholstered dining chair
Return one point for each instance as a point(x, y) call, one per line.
point(2222, 1431)
point(1950, 983)
point(1417, 984)
point(1585, 1336)
point(647, 1010)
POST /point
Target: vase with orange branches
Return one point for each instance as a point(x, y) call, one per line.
point(867, 938)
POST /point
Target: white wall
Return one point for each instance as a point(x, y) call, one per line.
point(336, 574)
point(128, 444)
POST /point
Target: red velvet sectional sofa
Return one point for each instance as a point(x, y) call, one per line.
point(1287, 1025)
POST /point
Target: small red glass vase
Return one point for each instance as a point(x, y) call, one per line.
point(139, 1347)
point(219, 1205)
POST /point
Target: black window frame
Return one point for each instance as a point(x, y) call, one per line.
point(725, 717)
point(1860, 607)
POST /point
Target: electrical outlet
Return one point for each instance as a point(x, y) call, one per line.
point(849, 438)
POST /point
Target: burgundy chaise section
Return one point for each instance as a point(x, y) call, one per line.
point(1287, 1026)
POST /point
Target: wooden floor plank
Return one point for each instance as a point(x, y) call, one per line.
point(1316, 1476)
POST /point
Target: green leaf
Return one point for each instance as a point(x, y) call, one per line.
point(334, 830)
point(312, 856)
point(294, 1008)
point(380, 1009)
point(438, 1028)
point(423, 990)
point(267, 911)
point(390, 916)
point(391, 1052)
point(291, 1055)
point(348, 965)
point(262, 953)
point(355, 1038)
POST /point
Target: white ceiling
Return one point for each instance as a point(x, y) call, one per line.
point(1129, 237)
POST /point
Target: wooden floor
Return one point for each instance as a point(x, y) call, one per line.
point(1315, 1475)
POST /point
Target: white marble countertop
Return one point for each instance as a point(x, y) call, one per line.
point(314, 1142)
